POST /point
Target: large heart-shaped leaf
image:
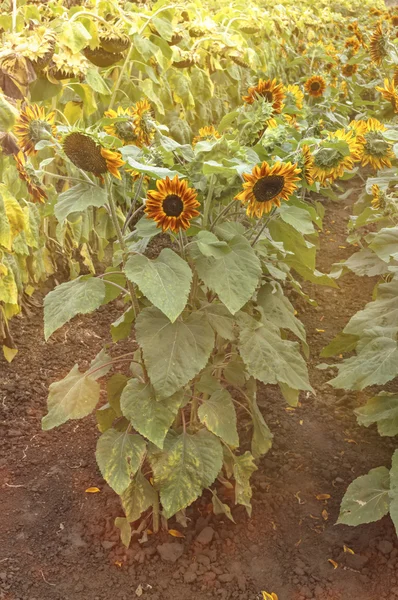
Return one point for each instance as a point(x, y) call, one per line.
point(366, 499)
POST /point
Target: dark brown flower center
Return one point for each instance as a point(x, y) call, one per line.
point(268, 95)
point(268, 187)
point(315, 86)
point(173, 205)
point(126, 130)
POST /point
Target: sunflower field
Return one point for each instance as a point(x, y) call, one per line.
point(176, 159)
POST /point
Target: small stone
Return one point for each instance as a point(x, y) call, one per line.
point(190, 576)
point(385, 547)
point(299, 571)
point(205, 536)
point(226, 578)
point(14, 433)
point(107, 545)
point(3, 575)
point(170, 552)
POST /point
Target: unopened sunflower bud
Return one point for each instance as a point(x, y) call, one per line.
point(8, 114)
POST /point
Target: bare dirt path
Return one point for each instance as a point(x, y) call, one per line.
point(59, 543)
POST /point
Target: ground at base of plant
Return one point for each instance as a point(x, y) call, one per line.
point(59, 543)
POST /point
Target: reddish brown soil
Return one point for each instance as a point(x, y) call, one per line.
point(58, 542)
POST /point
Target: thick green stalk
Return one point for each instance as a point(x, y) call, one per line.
point(208, 201)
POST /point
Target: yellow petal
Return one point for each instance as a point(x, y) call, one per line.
point(176, 533)
point(333, 562)
point(323, 496)
point(348, 550)
point(92, 490)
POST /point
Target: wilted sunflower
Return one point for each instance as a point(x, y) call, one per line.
point(330, 163)
point(206, 133)
point(32, 126)
point(172, 205)
point(266, 186)
point(89, 156)
point(315, 86)
point(376, 151)
point(143, 117)
point(124, 130)
point(389, 93)
point(27, 174)
point(66, 65)
point(349, 70)
point(294, 94)
point(378, 45)
point(268, 89)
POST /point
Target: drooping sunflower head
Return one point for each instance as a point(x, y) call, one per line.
point(389, 93)
point(28, 175)
point(378, 45)
point(124, 130)
point(268, 89)
point(173, 205)
point(294, 96)
point(206, 133)
point(65, 65)
point(101, 57)
point(315, 86)
point(376, 151)
point(86, 154)
point(266, 186)
point(330, 162)
point(32, 126)
point(306, 164)
point(378, 198)
point(349, 70)
point(114, 41)
point(143, 122)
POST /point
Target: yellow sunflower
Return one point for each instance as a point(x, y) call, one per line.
point(142, 116)
point(268, 89)
point(376, 152)
point(28, 176)
point(378, 198)
point(307, 165)
point(86, 154)
point(32, 126)
point(294, 94)
point(124, 130)
point(315, 86)
point(266, 186)
point(330, 163)
point(172, 205)
point(206, 133)
point(349, 70)
point(353, 44)
point(389, 93)
point(378, 45)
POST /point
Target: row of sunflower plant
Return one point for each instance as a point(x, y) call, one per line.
point(112, 161)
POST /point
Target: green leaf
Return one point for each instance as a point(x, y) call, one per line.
point(96, 82)
point(243, 469)
point(165, 281)
point(114, 388)
point(150, 417)
point(105, 416)
point(366, 262)
point(343, 342)
point(74, 36)
point(262, 436)
point(125, 530)
point(112, 292)
point(382, 312)
point(277, 309)
point(233, 276)
point(163, 26)
point(156, 172)
point(375, 364)
point(221, 320)
point(385, 244)
point(138, 497)
point(219, 416)
point(202, 85)
point(394, 490)
point(119, 456)
point(78, 199)
point(227, 121)
point(42, 89)
point(383, 410)
point(188, 464)
point(271, 359)
point(219, 508)
point(210, 245)
point(121, 328)
point(173, 352)
point(297, 218)
point(366, 499)
point(290, 395)
point(235, 371)
point(80, 296)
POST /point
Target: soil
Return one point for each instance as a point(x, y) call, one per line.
point(58, 542)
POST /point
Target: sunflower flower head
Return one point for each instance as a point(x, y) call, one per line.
point(389, 93)
point(378, 198)
point(352, 43)
point(86, 154)
point(28, 175)
point(376, 151)
point(206, 133)
point(331, 161)
point(266, 186)
point(173, 205)
point(124, 130)
point(268, 89)
point(315, 86)
point(306, 164)
point(143, 123)
point(294, 96)
point(349, 70)
point(378, 45)
point(32, 126)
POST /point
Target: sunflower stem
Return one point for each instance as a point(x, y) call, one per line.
point(208, 201)
point(262, 228)
point(222, 213)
